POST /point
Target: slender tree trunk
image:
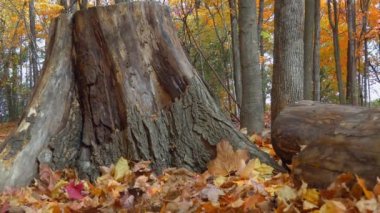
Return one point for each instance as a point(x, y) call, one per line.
point(308, 49)
point(316, 54)
point(288, 54)
point(352, 86)
point(33, 41)
point(261, 49)
point(235, 50)
point(334, 23)
point(252, 111)
point(364, 6)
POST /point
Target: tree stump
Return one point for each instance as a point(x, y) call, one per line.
point(325, 140)
point(116, 82)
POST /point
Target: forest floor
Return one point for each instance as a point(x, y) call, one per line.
point(232, 183)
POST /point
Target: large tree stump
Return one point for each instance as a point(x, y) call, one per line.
point(325, 140)
point(138, 97)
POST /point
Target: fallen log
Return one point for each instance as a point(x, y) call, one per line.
point(116, 82)
point(325, 140)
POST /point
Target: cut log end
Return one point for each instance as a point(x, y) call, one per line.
point(325, 140)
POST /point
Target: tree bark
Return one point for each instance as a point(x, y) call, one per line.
point(308, 49)
point(317, 53)
point(334, 23)
point(235, 50)
point(33, 41)
point(352, 85)
point(325, 140)
point(252, 111)
point(137, 96)
point(288, 54)
point(261, 50)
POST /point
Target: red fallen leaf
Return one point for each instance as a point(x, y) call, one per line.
point(74, 191)
point(5, 207)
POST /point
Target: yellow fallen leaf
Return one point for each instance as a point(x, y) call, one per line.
point(58, 188)
point(286, 193)
point(332, 206)
point(121, 169)
point(256, 169)
point(309, 194)
point(306, 205)
point(219, 180)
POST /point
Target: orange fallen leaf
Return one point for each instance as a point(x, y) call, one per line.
point(361, 182)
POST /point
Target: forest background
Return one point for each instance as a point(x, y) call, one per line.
point(206, 32)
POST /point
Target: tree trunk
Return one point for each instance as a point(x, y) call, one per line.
point(364, 6)
point(138, 97)
point(252, 111)
point(261, 50)
point(325, 140)
point(288, 54)
point(317, 53)
point(308, 49)
point(352, 85)
point(235, 50)
point(334, 23)
point(33, 42)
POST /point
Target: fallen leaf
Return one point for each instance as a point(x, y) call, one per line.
point(237, 203)
point(121, 169)
point(48, 176)
point(250, 202)
point(74, 191)
point(286, 193)
point(211, 193)
point(256, 169)
point(227, 160)
point(368, 205)
point(361, 182)
point(332, 206)
point(219, 180)
point(309, 194)
point(376, 189)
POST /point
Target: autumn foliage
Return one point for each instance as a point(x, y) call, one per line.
point(232, 183)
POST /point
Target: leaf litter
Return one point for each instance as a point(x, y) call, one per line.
point(232, 183)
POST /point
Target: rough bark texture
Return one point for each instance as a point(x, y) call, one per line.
point(33, 42)
point(261, 50)
point(325, 140)
point(235, 50)
point(352, 84)
point(317, 52)
point(308, 40)
point(47, 114)
point(288, 54)
point(139, 97)
point(252, 110)
point(334, 24)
